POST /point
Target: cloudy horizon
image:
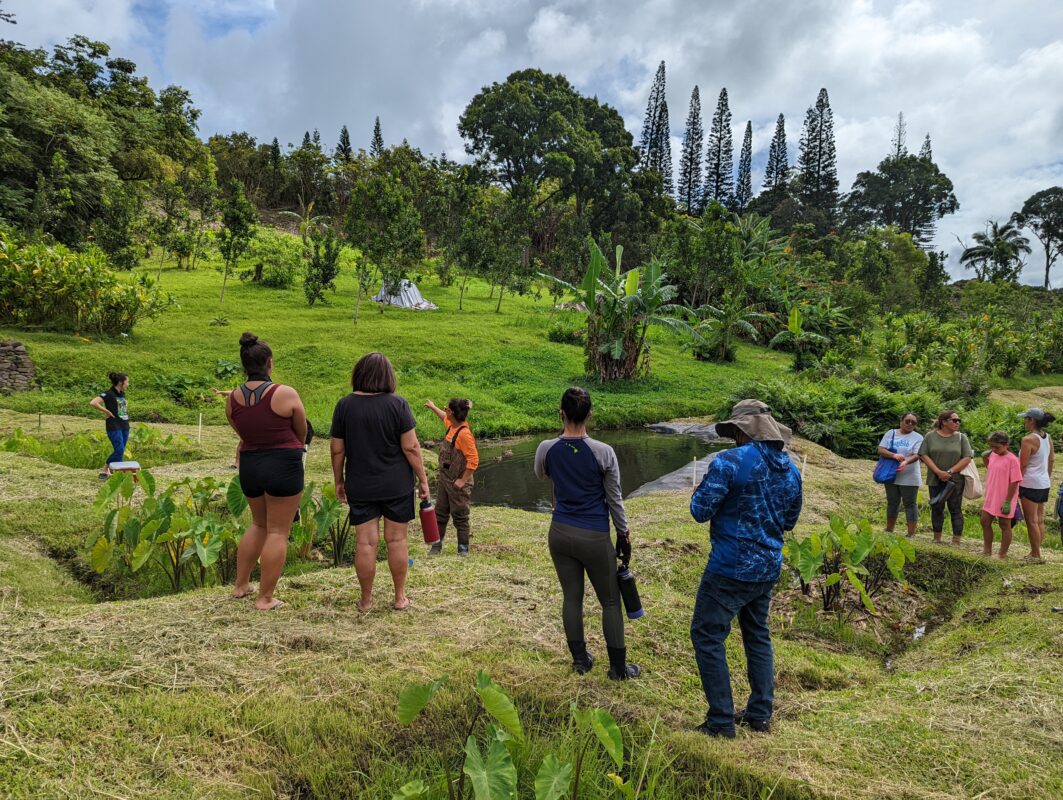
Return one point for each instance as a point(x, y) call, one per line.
point(984, 80)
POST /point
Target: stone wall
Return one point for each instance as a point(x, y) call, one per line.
point(17, 373)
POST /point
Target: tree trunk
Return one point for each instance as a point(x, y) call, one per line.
point(501, 291)
point(224, 280)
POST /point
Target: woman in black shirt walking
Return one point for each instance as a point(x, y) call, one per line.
point(113, 404)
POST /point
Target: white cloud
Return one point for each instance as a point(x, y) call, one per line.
point(985, 79)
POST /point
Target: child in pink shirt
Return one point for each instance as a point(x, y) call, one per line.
point(1003, 475)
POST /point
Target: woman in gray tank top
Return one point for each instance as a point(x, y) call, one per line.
point(1036, 458)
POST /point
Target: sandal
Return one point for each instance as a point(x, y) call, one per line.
point(276, 604)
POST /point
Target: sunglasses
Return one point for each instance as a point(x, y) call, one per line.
point(909, 422)
point(955, 419)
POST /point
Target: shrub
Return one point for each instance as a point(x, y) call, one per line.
point(88, 450)
point(567, 330)
point(276, 258)
point(52, 287)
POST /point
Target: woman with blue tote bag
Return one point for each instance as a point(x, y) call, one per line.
point(898, 470)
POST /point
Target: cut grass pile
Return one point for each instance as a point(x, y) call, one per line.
point(196, 695)
point(504, 361)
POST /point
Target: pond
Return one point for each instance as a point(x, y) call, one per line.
point(644, 456)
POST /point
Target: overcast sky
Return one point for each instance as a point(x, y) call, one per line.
point(985, 79)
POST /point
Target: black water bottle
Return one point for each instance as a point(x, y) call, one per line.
point(629, 591)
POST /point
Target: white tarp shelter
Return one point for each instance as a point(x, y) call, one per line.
point(408, 296)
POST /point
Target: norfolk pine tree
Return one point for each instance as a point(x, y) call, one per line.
point(744, 187)
point(775, 171)
point(689, 195)
point(376, 146)
point(818, 159)
point(719, 155)
point(344, 152)
point(655, 145)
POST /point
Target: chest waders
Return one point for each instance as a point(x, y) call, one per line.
point(452, 502)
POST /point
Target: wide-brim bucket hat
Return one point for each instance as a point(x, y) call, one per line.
point(754, 419)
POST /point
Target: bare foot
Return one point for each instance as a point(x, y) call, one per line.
point(239, 594)
point(364, 609)
point(403, 604)
point(957, 540)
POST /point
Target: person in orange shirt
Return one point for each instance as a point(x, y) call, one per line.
point(458, 460)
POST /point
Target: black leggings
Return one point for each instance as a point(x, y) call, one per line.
point(578, 550)
point(955, 506)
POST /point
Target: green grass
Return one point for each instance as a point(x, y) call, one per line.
point(504, 362)
point(196, 695)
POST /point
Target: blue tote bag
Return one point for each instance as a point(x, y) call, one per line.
point(886, 468)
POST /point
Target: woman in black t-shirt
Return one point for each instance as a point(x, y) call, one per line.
point(113, 404)
point(375, 457)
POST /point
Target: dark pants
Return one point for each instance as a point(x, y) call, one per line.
point(954, 504)
point(719, 600)
point(895, 495)
point(118, 441)
point(578, 551)
point(453, 502)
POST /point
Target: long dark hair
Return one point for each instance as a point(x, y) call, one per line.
point(254, 355)
point(117, 378)
point(576, 404)
point(373, 374)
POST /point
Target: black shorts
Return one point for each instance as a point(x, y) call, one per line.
point(1033, 495)
point(278, 473)
point(397, 509)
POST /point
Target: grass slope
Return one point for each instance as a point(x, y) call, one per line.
point(504, 361)
point(196, 695)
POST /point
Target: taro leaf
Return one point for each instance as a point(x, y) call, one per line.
point(101, 554)
point(608, 733)
point(500, 707)
point(833, 578)
point(148, 481)
point(329, 490)
point(583, 718)
point(907, 548)
point(234, 497)
point(896, 561)
point(141, 553)
point(126, 486)
point(415, 697)
point(837, 524)
point(553, 779)
point(414, 790)
point(625, 787)
point(859, 586)
point(108, 490)
point(483, 681)
point(208, 546)
point(862, 545)
point(493, 779)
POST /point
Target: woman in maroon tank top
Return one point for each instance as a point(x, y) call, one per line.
point(271, 423)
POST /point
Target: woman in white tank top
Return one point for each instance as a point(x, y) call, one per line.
point(1036, 457)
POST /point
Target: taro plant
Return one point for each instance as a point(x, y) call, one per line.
point(850, 553)
point(486, 766)
point(722, 325)
point(332, 518)
point(806, 345)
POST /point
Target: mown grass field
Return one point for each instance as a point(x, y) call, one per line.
point(196, 695)
point(503, 361)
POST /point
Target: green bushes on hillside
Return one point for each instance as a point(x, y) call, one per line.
point(52, 287)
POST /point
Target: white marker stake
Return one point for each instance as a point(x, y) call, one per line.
point(694, 474)
point(804, 460)
point(199, 436)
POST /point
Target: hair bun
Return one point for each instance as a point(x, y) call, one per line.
point(247, 340)
point(113, 377)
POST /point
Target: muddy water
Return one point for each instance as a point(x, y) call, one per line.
point(505, 475)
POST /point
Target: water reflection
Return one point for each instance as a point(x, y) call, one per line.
point(508, 480)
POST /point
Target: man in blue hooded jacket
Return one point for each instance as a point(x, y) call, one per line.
point(750, 495)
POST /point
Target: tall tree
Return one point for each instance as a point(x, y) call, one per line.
point(237, 229)
point(926, 151)
point(719, 156)
point(689, 194)
point(818, 159)
point(1042, 213)
point(744, 186)
point(899, 144)
point(778, 166)
point(376, 146)
point(344, 151)
point(655, 146)
point(996, 254)
point(908, 192)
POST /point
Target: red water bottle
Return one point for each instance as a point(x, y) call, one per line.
point(429, 524)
